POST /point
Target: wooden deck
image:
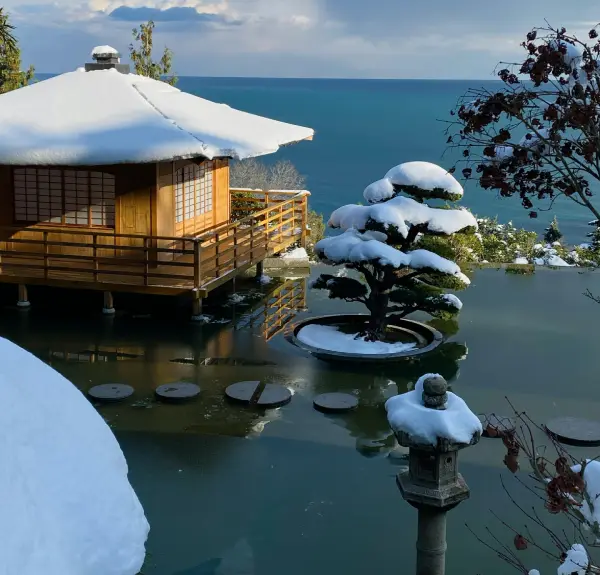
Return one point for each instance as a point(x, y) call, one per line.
point(157, 264)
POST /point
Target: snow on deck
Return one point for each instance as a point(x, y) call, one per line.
point(67, 505)
point(407, 413)
point(105, 117)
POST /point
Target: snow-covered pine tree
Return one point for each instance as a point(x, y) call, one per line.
point(552, 233)
point(380, 241)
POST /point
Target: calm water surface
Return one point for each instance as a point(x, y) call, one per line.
point(233, 491)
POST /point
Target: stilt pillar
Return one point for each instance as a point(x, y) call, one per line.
point(109, 304)
point(197, 307)
point(23, 299)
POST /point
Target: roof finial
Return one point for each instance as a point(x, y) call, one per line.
point(435, 393)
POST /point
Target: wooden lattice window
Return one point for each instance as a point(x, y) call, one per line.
point(193, 191)
point(70, 197)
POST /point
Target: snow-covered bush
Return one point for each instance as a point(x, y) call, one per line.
point(380, 241)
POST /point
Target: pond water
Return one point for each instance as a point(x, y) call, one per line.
point(228, 490)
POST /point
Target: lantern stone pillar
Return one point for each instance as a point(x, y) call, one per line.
point(432, 483)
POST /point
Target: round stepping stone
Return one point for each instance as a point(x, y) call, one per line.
point(180, 391)
point(575, 431)
point(493, 424)
point(335, 402)
point(111, 392)
point(267, 395)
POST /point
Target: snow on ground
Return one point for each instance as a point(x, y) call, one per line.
point(295, 254)
point(265, 279)
point(202, 319)
point(399, 212)
point(329, 338)
point(407, 413)
point(521, 260)
point(236, 298)
point(426, 176)
point(576, 562)
point(106, 117)
point(354, 247)
point(67, 505)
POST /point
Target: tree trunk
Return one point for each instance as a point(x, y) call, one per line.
point(377, 305)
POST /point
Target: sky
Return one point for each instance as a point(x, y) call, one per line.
point(297, 38)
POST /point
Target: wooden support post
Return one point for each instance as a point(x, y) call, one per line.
point(197, 263)
point(259, 269)
point(23, 301)
point(197, 307)
point(109, 305)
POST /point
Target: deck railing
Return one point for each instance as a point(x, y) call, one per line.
point(48, 254)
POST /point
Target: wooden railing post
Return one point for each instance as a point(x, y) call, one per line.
point(146, 261)
point(235, 242)
point(45, 235)
point(95, 256)
point(266, 199)
point(304, 234)
point(217, 268)
point(252, 225)
point(197, 263)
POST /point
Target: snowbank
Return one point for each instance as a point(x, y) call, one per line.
point(407, 413)
point(354, 247)
point(295, 254)
point(67, 506)
point(105, 117)
point(426, 176)
point(399, 212)
point(329, 338)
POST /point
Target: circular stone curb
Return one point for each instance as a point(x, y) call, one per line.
point(575, 431)
point(498, 422)
point(266, 395)
point(179, 391)
point(111, 392)
point(420, 331)
point(335, 402)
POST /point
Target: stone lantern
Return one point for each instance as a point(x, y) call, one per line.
point(432, 483)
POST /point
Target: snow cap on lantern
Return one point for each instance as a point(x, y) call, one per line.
point(434, 424)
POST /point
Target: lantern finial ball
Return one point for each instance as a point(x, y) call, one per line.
point(435, 393)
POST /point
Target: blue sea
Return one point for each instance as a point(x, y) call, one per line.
point(363, 128)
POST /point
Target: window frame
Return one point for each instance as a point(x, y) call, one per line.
point(73, 194)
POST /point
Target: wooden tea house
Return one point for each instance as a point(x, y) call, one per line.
point(116, 182)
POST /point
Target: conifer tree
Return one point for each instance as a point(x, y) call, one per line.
point(380, 242)
point(552, 233)
point(11, 75)
point(141, 56)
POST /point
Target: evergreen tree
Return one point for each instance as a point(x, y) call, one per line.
point(380, 242)
point(11, 75)
point(141, 56)
point(552, 233)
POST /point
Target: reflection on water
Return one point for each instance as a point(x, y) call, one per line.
point(234, 490)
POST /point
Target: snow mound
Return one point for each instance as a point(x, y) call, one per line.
point(408, 414)
point(399, 212)
point(265, 279)
point(379, 191)
point(425, 176)
point(330, 338)
point(102, 50)
point(591, 477)
point(521, 260)
point(355, 247)
point(67, 506)
point(295, 254)
point(576, 562)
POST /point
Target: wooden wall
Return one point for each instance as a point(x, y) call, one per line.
point(144, 204)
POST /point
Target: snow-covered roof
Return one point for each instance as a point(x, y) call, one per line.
point(106, 117)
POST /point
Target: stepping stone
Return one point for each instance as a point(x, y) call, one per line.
point(110, 392)
point(499, 423)
point(267, 395)
point(180, 391)
point(575, 431)
point(335, 402)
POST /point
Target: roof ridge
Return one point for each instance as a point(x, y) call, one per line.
point(159, 111)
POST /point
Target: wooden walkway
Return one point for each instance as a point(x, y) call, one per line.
point(153, 264)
